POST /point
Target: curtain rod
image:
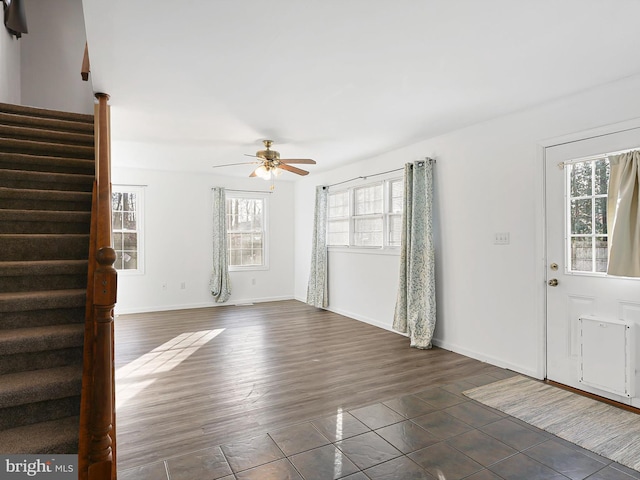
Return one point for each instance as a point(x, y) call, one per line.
point(376, 174)
point(244, 191)
point(594, 157)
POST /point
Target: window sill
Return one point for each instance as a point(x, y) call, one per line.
point(393, 251)
point(249, 268)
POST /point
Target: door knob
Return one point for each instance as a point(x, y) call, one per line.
point(553, 282)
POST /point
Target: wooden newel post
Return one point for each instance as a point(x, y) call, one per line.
point(104, 294)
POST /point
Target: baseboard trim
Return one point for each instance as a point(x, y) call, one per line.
point(191, 306)
point(487, 359)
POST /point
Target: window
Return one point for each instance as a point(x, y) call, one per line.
point(587, 187)
point(368, 216)
point(338, 215)
point(246, 232)
point(126, 225)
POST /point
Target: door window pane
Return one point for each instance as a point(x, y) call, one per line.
point(581, 179)
point(581, 215)
point(581, 254)
point(602, 254)
point(601, 177)
point(600, 215)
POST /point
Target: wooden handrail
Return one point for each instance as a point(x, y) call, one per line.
point(96, 452)
point(86, 67)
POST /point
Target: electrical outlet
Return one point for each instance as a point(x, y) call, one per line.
point(183, 285)
point(501, 238)
point(253, 281)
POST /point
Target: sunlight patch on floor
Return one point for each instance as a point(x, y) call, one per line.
point(133, 377)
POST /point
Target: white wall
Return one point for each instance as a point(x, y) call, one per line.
point(52, 55)
point(488, 179)
point(9, 67)
point(178, 238)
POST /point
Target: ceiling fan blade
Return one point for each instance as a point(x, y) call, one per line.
point(308, 161)
point(291, 169)
point(233, 164)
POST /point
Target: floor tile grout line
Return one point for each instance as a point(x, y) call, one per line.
point(531, 428)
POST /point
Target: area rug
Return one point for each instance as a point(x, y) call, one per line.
point(601, 428)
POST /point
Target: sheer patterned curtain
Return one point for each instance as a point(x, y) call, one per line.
point(219, 284)
point(623, 222)
point(415, 312)
point(317, 293)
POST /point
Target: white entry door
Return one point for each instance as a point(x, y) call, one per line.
point(593, 320)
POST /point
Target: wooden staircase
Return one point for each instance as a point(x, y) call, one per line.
point(47, 164)
point(57, 287)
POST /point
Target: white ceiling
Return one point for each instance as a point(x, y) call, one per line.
point(197, 83)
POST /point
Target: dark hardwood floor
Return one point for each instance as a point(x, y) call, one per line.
point(191, 379)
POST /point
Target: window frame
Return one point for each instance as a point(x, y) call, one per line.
point(265, 230)
point(139, 191)
point(387, 246)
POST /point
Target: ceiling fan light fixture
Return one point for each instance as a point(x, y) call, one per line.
point(263, 172)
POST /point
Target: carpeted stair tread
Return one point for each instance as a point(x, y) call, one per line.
point(45, 113)
point(39, 318)
point(46, 123)
point(29, 179)
point(42, 135)
point(44, 199)
point(47, 172)
point(44, 221)
point(45, 411)
point(39, 385)
point(43, 246)
point(43, 267)
point(42, 300)
point(46, 148)
point(19, 362)
point(42, 275)
point(53, 437)
point(38, 339)
point(46, 163)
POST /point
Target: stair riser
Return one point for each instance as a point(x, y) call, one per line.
point(53, 247)
point(17, 303)
point(14, 161)
point(39, 393)
point(39, 360)
point(40, 283)
point(47, 149)
point(41, 318)
point(47, 170)
point(43, 227)
point(44, 113)
point(41, 135)
point(40, 182)
point(46, 204)
point(46, 123)
point(38, 412)
point(45, 185)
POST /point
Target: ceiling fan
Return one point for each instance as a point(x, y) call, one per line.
point(270, 165)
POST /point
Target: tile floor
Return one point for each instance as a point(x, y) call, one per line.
point(435, 434)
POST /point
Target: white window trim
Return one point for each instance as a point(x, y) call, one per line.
point(139, 190)
point(385, 249)
point(265, 231)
